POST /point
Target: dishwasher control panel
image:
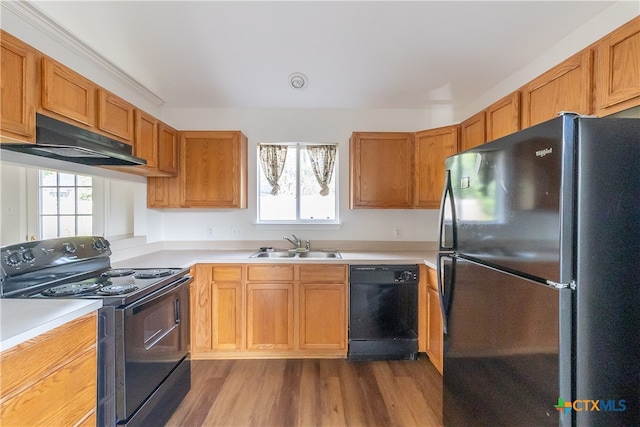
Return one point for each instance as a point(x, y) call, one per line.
point(384, 274)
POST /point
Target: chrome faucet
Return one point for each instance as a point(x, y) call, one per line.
point(296, 242)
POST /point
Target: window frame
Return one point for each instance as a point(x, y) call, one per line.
point(299, 221)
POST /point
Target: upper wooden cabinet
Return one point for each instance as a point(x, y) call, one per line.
point(18, 82)
point(473, 131)
point(380, 170)
point(115, 115)
point(213, 169)
point(432, 147)
point(565, 87)
point(618, 69)
point(67, 94)
point(167, 149)
point(146, 138)
point(503, 116)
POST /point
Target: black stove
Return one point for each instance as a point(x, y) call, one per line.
point(76, 267)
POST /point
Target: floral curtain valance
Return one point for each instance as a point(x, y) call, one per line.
point(272, 159)
point(323, 158)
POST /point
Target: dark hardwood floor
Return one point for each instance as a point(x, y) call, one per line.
point(312, 392)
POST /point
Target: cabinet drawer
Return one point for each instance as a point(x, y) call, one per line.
point(227, 273)
point(270, 273)
point(323, 273)
point(27, 363)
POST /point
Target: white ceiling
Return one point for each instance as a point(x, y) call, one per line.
point(360, 54)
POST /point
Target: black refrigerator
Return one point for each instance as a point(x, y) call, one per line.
point(539, 277)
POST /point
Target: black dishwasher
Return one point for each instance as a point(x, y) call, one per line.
point(383, 312)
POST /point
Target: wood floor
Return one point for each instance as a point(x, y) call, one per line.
point(311, 392)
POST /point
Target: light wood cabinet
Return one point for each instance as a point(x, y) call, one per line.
point(115, 116)
point(380, 170)
point(213, 169)
point(227, 312)
point(201, 309)
point(270, 316)
point(66, 95)
point(432, 147)
point(323, 307)
point(146, 138)
point(473, 131)
point(157, 143)
point(17, 98)
point(565, 87)
point(618, 70)
point(167, 149)
point(434, 338)
point(52, 379)
point(503, 117)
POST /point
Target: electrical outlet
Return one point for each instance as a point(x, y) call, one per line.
point(210, 231)
point(236, 231)
point(397, 232)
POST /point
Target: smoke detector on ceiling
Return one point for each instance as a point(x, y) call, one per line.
point(298, 80)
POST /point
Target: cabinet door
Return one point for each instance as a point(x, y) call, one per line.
point(323, 323)
point(115, 115)
point(565, 87)
point(227, 308)
point(18, 81)
point(67, 93)
point(503, 116)
point(270, 316)
point(434, 329)
point(167, 149)
point(432, 147)
point(213, 169)
point(381, 170)
point(146, 138)
point(472, 131)
point(618, 69)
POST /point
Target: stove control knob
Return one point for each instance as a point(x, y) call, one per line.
point(28, 256)
point(405, 276)
point(98, 245)
point(14, 259)
point(69, 247)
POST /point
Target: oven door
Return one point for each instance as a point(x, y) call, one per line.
point(152, 339)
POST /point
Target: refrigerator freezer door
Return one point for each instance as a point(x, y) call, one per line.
point(511, 197)
point(502, 350)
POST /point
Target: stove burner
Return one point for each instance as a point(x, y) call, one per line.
point(118, 272)
point(151, 274)
point(117, 289)
point(71, 289)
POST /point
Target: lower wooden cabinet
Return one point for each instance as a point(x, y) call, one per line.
point(434, 336)
point(52, 379)
point(269, 310)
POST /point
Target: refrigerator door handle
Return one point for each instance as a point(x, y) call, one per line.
point(447, 197)
point(445, 288)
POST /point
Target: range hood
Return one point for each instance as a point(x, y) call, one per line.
point(62, 141)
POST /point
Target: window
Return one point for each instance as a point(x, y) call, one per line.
point(66, 204)
point(297, 183)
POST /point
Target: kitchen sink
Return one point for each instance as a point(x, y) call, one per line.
point(280, 253)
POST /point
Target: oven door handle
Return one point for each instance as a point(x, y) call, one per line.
point(149, 299)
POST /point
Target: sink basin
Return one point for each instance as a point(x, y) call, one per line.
point(293, 254)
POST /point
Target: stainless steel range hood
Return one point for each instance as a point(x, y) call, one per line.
point(62, 141)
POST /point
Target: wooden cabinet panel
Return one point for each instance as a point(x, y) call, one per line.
point(618, 69)
point(270, 273)
point(17, 98)
point(565, 87)
point(146, 138)
point(167, 149)
point(115, 115)
point(434, 330)
point(227, 309)
point(51, 379)
point(322, 321)
point(322, 273)
point(432, 147)
point(270, 316)
point(472, 131)
point(380, 170)
point(503, 116)
point(201, 309)
point(67, 93)
point(213, 169)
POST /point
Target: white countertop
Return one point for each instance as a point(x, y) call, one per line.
point(23, 319)
point(188, 258)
